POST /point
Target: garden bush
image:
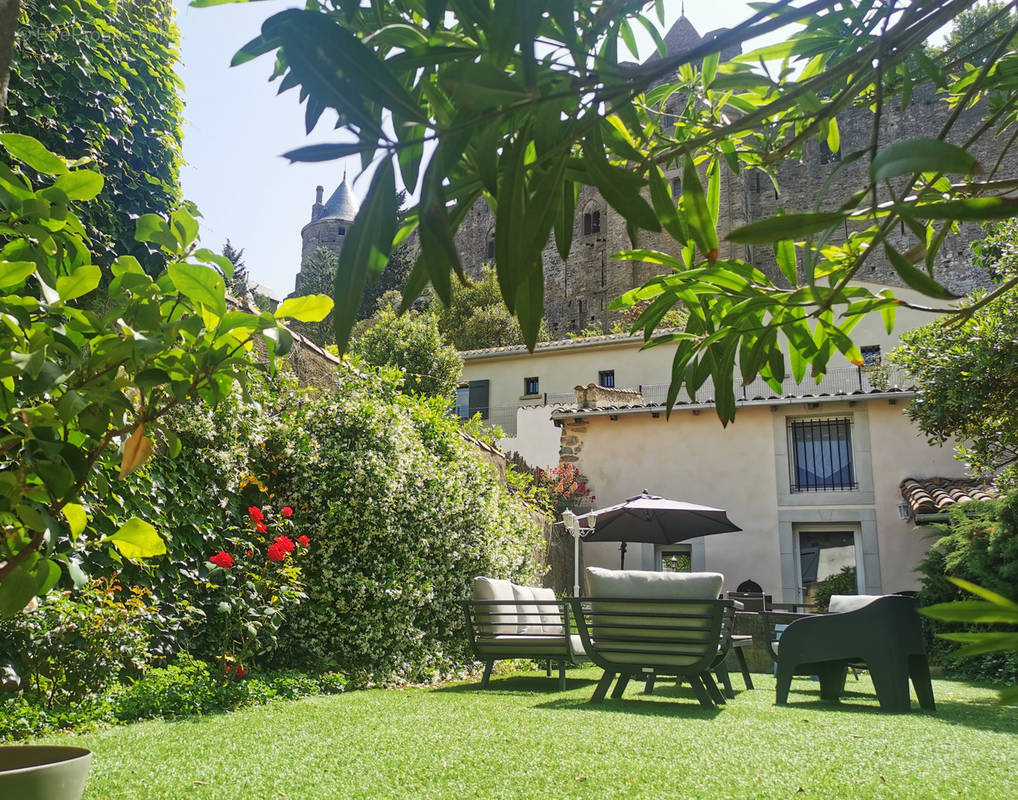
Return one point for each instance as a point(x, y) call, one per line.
point(73, 645)
point(979, 544)
point(402, 513)
point(188, 686)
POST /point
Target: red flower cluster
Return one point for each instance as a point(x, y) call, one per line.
point(287, 511)
point(303, 541)
point(222, 559)
point(281, 548)
point(255, 513)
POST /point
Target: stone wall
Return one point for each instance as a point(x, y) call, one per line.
point(579, 289)
point(328, 233)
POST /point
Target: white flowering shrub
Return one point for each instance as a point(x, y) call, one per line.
point(402, 513)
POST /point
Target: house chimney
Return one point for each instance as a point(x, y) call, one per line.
point(319, 191)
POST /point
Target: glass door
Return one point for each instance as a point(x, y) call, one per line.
point(828, 564)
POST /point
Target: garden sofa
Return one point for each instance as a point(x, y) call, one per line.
point(652, 625)
point(881, 633)
point(505, 620)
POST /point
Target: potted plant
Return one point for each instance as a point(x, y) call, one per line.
point(43, 772)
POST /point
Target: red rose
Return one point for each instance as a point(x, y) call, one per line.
point(249, 553)
point(303, 541)
point(277, 552)
point(287, 511)
point(286, 543)
point(222, 559)
point(255, 513)
point(240, 672)
point(260, 526)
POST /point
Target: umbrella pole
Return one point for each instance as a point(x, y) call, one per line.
point(622, 551)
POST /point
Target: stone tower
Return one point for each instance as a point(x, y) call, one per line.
point(329, 223)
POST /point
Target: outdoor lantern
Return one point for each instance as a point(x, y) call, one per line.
point(591, 520)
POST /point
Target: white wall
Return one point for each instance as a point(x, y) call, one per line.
point(742, 469)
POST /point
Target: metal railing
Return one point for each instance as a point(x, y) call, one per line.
point(852, 380)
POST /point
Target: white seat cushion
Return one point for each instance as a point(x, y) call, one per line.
point(684, 639)
point(529, 615)
point(551, 618)
point(840, 603)
point(647, 585)
point(496, 619)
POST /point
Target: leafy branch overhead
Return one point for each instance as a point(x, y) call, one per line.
point(523, 102)
point(83, 378)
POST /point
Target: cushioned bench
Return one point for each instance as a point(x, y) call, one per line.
point(505, 620)
point(652, 625)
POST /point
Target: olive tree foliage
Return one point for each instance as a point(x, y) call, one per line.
point(523, 102)
point(77, 384)
point(966, 374)
point(95, 79)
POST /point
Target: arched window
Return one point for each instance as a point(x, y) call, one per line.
point(591, 220)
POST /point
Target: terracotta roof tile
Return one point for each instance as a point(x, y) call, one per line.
point(931, 495)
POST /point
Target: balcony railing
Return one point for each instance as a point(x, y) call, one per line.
point(837, 382)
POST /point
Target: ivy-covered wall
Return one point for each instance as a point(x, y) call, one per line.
point(95, 79)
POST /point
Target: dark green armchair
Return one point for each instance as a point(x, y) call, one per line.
point(882, 634)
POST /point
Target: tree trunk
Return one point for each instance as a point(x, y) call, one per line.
point(9, 10)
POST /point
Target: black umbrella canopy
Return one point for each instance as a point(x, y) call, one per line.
point(657, 520)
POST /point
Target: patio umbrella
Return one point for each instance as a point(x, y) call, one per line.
point(656, 520)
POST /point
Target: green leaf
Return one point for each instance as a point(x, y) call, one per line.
point(76, 519)
point(365, 250)
point(972, 209)
point(310, 308)
point(137, 539)
point(201, 285)
point(16, 590)
point(82, 184)
point(986, 594)
point(785, 226)
point(80, 282)
point(31, 151)
point(328, 152)
point(13, 273)
point(153, 228)
point(833, 135)
point(784, 253)
point(971, 611)
point(698, 216)
point(922, 155)
point(914, 277)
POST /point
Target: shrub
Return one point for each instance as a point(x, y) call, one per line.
point(402, 513)
point(188, 686)
point(412, 342)
point(74, 645)
point(979, 544)
point(251, 588)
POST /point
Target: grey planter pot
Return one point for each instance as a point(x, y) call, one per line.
point(37, 772)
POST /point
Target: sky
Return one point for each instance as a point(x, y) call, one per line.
point(237, 128)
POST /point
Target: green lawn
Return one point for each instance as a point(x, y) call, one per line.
point(523, 739)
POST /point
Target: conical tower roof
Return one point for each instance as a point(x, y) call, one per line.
point(342, 204)
point(681, 36)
